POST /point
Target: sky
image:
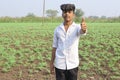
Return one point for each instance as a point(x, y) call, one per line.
point(20, 8)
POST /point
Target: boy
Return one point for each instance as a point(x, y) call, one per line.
point(65, 57)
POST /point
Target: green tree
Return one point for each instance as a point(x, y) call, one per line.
point(30, 15)
point(51, 13)
point(103, 17)
point(79, 13)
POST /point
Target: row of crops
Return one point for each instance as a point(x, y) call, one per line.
point(30, 45)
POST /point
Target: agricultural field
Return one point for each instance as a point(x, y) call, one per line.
point(25, 51)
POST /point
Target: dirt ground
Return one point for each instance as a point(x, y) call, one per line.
point(23, 73)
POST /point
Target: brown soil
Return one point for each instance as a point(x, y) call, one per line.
point(23, 73)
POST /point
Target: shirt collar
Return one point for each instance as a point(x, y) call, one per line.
point(62, 25)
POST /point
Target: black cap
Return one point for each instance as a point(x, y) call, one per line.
point(67, 7)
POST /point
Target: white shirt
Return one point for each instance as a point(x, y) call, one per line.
point(66, 44)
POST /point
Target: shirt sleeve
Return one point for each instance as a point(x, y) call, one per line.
point(55, 39)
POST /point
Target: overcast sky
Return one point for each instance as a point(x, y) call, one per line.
point(18, 8)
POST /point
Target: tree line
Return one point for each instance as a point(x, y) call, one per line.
point(51, 16)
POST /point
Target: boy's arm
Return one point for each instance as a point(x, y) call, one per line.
point(52, 61)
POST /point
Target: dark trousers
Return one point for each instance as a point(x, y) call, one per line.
point(66, 74)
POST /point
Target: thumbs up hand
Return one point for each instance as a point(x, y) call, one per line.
point(83, 25)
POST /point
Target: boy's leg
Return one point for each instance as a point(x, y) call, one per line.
point(72, 74)
point(60, 74)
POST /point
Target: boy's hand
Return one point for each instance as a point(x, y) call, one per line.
point(83, 25)
point(51, 68)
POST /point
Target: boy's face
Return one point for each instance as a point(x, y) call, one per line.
point(68, 15)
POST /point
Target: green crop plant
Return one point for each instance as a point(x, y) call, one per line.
point(30, 45)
